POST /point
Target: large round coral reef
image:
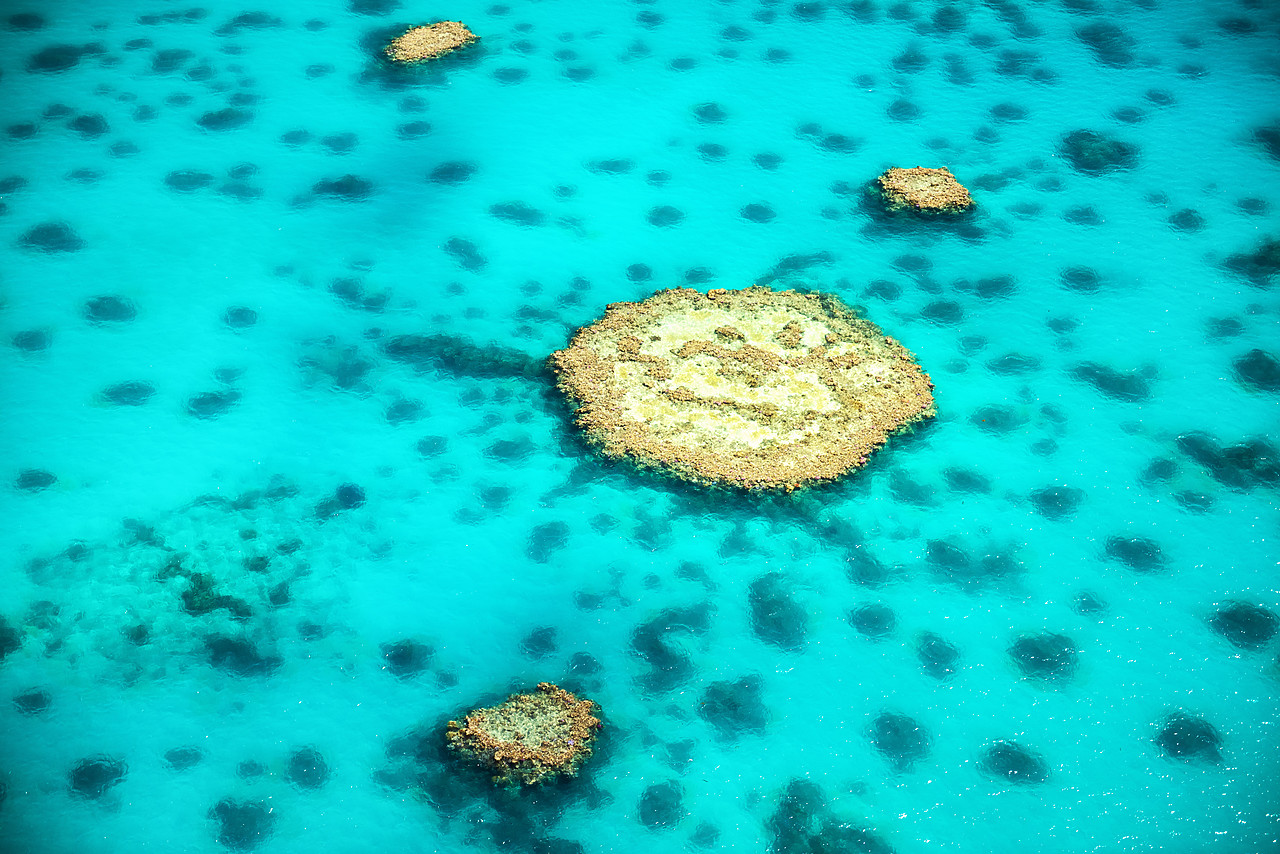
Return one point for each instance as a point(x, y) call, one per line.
point(752, 388)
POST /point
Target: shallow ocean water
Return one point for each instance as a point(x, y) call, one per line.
point(1045, 620)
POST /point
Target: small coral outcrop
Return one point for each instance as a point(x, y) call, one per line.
point(923, 190)
point(530, 738)
point(753, 388)
point(430, 41)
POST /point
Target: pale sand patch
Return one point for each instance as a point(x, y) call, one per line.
point(757, 388)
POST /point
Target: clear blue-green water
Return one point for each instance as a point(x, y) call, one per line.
point(251, 562)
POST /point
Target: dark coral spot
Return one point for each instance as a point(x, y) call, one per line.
point(1186, 220)
point(1013, 763)
point(712, 152)
point(943, 312)
point(34, 480)
point(540, 643)
point(518, 213)
point(413, 130)
point(874, 621)
point(1007, 112)
point(899, 739)
point(348, 188)
point(665, 216)
point(1081, 279)
point(776, 618)
point(26, 22)
point(90, 126)
point(758, 212)
point(340, 143)
point(129, 393)
point(1258, 369)
point(1189, 738)
point(91, 778)
point(661, 805)
point(465, 253)
point(734, 708)
point(33, 702)
point(169, 60)
point(1046, 655)
point(110, 309)
point(1245, 625)
point(228, 118)
point(767, 161)
point(1083, 215)
point(238, 656)
point(56, 58)
point(407, 658)
point(453, 172)
point(183, 758)
point(243, 826)
point(212, 404)
point(1140, 554)
point(307, 769)
point(545, 540)
point(10, 639)
point(187, 180)
point(938, 656)
point(1110, 44)
point(1094, 153)
point(239, 317)
point(1127, 386)
point(51, 237)
point(710, 113)
point(1057, 502)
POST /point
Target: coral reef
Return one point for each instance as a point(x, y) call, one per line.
point(429, 42)
point(923, 190)
point(753, 388)
point(529, 738)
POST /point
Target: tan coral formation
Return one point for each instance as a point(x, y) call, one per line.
point(929, 191)
point(429, 41)
point(753, 388)
point(530, 738)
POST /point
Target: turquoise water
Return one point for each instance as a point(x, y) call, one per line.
point(254, 557)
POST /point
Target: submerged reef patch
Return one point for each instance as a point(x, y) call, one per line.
point(530, 738)
point(922, 190)
point(1189, 738)
point(429, 42)
point(753, 388)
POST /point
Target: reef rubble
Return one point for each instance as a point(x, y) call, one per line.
point(530, 738)
point(429, 41)
point(922, 190)
point(752, 388)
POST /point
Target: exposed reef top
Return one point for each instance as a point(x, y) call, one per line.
point(429, 41)
point(530, 738)
point(927, 191)
point(753, 388)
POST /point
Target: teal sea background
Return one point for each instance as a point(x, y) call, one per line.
point(259, 546)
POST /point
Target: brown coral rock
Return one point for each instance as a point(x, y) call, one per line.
point(928, 191)
point(429, 41)
point(753, 388)
point(530, 738)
